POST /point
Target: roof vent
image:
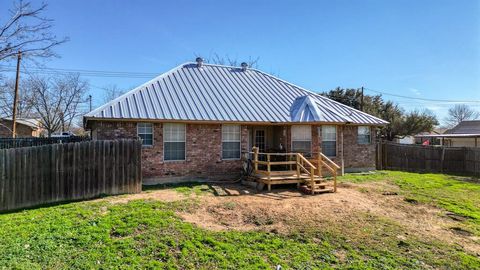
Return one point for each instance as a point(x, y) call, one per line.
point(244, 66)
point(199, 61)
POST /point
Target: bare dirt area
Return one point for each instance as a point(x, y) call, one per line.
point(282, 211)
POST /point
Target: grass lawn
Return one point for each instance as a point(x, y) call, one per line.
point(148, 233)
point(459, 195)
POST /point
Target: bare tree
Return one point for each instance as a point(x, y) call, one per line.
point(459, 113)
point(57, 101)
point(28, 31)
point(24, 103)
point(111, 92)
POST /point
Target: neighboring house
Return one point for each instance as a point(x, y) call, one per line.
point(431, 138)
point(25, 127)
point(405, 140)
point(197, 119)
point(465, 134)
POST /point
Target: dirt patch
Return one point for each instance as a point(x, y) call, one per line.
point(282, 211)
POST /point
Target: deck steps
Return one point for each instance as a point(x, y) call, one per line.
point(316, 190)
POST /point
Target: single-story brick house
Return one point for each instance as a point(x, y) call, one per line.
point(197, 119)
point(25, 127)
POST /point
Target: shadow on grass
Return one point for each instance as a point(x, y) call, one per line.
point(58, 203)
point(228, 189)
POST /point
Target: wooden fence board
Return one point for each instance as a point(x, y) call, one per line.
point(421, 158)
point(31, 176)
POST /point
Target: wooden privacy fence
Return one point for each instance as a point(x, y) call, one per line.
point(52, 173)
point(34, 141)
point(422, 158)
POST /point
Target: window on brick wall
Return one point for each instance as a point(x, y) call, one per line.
point(363, 136)
point(231, 141)
point(173, 141)
point(302, 139)
point(329, 141)
point(145, 133)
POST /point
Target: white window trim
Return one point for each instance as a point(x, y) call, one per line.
point(336, 138)
point(184, 140)
point(240, 142)
point(369, 133)
point(153, 134)
point(292, 140)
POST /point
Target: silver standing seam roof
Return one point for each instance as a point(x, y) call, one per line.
point(226, 94)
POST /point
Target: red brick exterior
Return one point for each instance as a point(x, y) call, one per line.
point(204, 149)
point(356, 157)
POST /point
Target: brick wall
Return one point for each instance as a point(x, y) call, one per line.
point(203, 150)
point(204, 146)
point(356, 157)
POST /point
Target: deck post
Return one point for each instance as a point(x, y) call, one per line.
point(255, 158)
point(319, 165)
point(335, 181)
point(297, 165)
point(269, 169)
point(312, 180)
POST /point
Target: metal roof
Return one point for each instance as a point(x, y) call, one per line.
point(227, 94)
point(466, 127)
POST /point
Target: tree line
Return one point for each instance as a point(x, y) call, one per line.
point(401, 122)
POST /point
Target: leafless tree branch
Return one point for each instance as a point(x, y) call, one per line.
point(29, 32)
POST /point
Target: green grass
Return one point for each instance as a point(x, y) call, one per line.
point(149, 235)
point(459, 195)
point(187, 188)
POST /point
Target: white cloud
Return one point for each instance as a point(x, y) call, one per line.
point(415, 91)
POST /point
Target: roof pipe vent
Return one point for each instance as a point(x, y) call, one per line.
point(244, 66)
point(199, 61)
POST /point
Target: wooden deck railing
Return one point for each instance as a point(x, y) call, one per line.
point(312, 168)
point(325, 162)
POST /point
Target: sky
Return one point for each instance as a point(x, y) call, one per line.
point(418, 49)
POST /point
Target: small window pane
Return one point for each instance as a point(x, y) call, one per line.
point(145, 133)
point(230, 150)
point(174, 151)
point(363, 136)
point(329, 141)
point(329, 148)
point(301, 133)
point(303, 147)
point(230, 141)
point(174, 141)
point(302, 139)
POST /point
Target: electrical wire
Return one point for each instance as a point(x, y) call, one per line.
point(424, 99)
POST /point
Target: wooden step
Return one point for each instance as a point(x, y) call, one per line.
point(289, 177)
point(307, 190)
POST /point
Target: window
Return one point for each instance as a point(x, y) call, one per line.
point(329, 141)
point(260, 139)
point(230, 142)
point(173, 142)
point(363, 136)
point(302, 139)
point(145, 132)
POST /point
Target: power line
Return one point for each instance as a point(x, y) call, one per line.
point(86, 72)
point(424, 99)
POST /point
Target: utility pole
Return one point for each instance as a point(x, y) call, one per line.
point(15, 97)
point(361, 101)
point(90, 103)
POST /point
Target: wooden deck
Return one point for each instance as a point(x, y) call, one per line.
point(295, 169)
